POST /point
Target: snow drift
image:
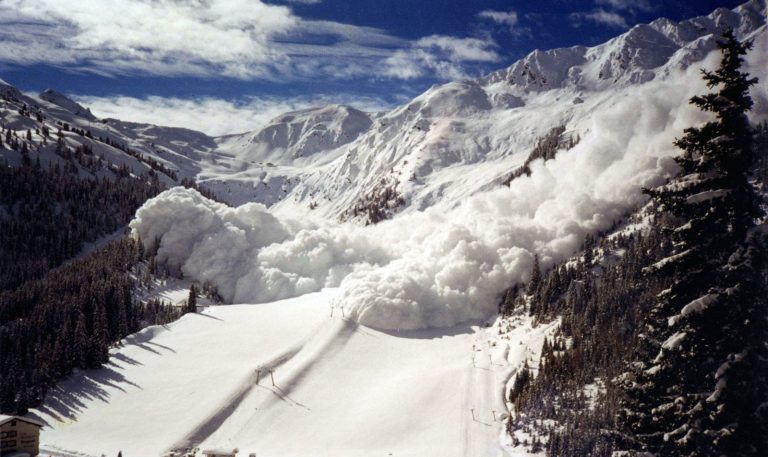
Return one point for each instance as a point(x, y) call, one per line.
point(438, 267)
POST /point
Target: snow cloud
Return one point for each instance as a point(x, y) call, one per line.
point(507, 18)
point(438, 267)
point(628, 5)
point(213, 116)
point(600, 16)
point(440, 55)
point(247, 252)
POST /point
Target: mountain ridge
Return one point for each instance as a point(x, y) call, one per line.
point(447, 143)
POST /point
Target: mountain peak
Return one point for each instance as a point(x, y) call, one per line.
point(631, 57)
point(9, 89)
point(301, 134)
point(62, 101)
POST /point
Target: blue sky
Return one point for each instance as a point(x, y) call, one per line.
point(256, 58)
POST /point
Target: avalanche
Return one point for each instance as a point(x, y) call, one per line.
point(441, 266)
point(462, 237)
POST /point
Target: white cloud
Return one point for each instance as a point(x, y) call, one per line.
point(440, 55)
point(600, 16)
point(461, 49)
point(614, 13)
point(246, 39)
point(214, 116)
point(231, 35)
point(628, 5)
point(508, 19)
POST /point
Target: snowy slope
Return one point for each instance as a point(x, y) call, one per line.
point(166, 382)
point(359, 392)
point(339, 389)
point(180, 152)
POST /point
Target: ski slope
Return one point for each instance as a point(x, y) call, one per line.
point(340, 389)
point(167, 381)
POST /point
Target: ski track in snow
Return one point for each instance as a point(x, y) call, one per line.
point(212, 423)
point(344, 378)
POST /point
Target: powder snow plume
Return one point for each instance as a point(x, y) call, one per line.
point(439, 267)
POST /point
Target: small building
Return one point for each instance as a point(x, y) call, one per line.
point(220, 453)
point(19, 436)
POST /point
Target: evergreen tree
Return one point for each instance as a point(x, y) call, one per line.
point(192, 300)
point(533, 284)
point(80, 343)
point(700, 374)
point(99, 345)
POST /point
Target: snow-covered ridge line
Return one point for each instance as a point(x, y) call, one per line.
point(461, 138)
point(173, 153)
point(451, 142)
point(632, 57)
point(59, 99)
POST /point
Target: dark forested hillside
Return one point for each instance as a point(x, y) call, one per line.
point(56, 317)
point(68, 319)
point(46, 214)
point(602, 298)
point(572, 400)
point(698, 383)
point(662, 343)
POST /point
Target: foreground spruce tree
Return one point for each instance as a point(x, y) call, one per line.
point(698, 384)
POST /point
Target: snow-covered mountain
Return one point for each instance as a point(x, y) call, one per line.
point(298, 135)
point(462, 137)
point(452, 141)
point(644, 52)
point(480, 180)
point(477, 176)
point(453, 150)
point(174, 153)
